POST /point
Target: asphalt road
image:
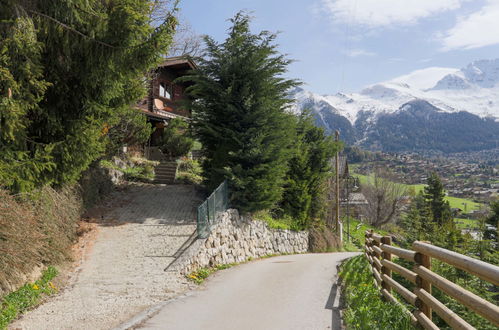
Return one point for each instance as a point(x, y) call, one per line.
point(287, 292)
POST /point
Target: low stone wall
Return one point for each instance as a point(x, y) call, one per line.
point(236, 239)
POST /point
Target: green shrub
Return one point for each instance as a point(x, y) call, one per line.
point(176, 141)
point(364, 307)
point(140, 170)
point(189, 171)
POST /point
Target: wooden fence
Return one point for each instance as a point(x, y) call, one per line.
point(379, 252)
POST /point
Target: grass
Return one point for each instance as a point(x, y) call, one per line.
point(364, 307)
point(358, 231)
point(202, 274)
point(285, 223)
point(455, 202)
point(36, 228)
point(28, 296)
point(466, 223)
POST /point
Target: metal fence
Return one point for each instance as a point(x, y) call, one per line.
point(208, 211)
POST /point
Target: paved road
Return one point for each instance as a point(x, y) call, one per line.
point(288, 292)
point(143, 228)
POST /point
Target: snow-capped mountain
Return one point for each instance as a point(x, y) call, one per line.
point(443, 92)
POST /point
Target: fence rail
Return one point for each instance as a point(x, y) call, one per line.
point(379, 253)
point(208, 211)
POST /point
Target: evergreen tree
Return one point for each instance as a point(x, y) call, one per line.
point(176, 141)
point(434, 194)
point(239, 115)
point(414, 220)
point(304, 191)
point(69, 70)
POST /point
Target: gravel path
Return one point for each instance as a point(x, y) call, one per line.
point(143, 229)
point(287, 292)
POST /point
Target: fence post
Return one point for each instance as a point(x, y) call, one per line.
point(387, 240)
point(368, 244)
point(376, 243)
point(425, 261)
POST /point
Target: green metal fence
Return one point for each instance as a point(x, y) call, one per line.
point(216, 203)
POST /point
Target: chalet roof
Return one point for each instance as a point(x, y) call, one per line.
point(178, 62)
point(357, 198)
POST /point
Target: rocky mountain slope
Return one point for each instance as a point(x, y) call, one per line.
point(442, 109)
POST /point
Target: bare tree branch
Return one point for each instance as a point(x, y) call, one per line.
point(384, 197)
point(186, 42)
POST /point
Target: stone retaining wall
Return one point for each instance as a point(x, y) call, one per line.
point(236, 239)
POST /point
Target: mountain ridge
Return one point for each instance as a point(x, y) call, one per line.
point(455, 97)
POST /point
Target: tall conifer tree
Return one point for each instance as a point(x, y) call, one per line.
point(305, 188)
point(434, 194)
point(68, 71)
point(239, 115)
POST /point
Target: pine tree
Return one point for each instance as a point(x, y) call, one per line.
point(239, 115)
point(69, 70)
point(413, 220)
point(304, 191)
point(434, 194)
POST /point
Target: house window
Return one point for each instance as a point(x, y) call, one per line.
point(166, 90)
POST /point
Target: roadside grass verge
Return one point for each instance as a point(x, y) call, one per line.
point(358, 231)
point(26, 297)
point(36, 229)
point(365, 309)
point(276, 223)
point(202, 274)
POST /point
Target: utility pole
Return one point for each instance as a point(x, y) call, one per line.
point(348, 208)
point(339, 230)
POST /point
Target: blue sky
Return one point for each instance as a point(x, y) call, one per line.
point(344, 45)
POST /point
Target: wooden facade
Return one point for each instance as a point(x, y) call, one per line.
point(164, 100)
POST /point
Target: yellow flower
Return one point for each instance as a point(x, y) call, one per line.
point(105, 129)
point(52, 285)
point(35, 287)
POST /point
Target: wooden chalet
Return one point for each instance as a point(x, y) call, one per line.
point(164, 101)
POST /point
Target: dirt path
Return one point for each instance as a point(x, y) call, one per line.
point(288, 292)
point(142, 231)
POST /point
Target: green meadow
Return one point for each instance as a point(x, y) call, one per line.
point(464, 204)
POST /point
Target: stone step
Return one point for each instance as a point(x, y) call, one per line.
point(165, 172)
point(165, 168)
point(164, 175)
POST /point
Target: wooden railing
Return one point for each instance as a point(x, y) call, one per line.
point(379, 252)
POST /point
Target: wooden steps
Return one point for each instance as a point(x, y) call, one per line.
point(165, 172)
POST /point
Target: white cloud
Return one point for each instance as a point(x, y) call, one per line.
point(358, 52)
point(476, 30)
point(385, 13)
